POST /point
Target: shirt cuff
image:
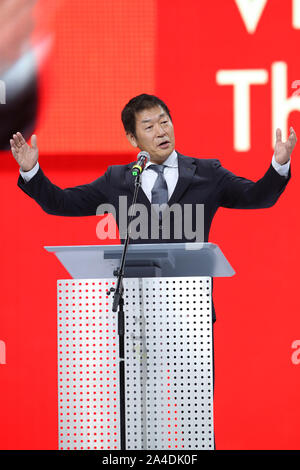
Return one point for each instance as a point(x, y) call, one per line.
point(283, 170)
point(27, 175)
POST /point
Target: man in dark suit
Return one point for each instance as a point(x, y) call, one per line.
point(169, 178)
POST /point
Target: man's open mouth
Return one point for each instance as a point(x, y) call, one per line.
point(164, 144)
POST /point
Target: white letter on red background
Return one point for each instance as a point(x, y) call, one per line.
point(241, 81)
point(281, 105)
point(296, 14)
point(251, 11)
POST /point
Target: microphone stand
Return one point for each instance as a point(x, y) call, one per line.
point(118, 302)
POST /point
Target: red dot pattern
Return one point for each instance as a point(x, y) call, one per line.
point(88, 394)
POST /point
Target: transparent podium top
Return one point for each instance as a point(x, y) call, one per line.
point(144, 260)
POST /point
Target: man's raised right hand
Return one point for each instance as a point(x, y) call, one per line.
point(25, 155)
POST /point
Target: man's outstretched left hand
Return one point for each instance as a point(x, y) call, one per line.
point(283, 150)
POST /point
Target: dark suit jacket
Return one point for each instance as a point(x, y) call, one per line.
point(202, 181)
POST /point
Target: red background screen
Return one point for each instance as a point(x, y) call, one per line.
point(98, 57)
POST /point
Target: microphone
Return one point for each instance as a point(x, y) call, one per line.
point(139, 166)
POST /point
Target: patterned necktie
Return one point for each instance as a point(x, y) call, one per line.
point(159, 193)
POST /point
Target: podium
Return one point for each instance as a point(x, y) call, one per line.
point(168, 346)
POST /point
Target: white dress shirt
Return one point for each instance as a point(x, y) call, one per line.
point(149, 176)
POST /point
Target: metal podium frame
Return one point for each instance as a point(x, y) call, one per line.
point(168, 346)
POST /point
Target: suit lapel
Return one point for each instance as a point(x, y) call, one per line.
point(186, 171)
point(141, 198)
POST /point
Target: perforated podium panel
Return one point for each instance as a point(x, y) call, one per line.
point(168, 364)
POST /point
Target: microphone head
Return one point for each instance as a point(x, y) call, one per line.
point(142, 159)
point(144, 154)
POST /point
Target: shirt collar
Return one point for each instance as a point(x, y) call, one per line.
point(171, 161)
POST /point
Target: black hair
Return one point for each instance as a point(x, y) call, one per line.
point(136, 104)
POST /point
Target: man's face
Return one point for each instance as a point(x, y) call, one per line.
point(154, 133)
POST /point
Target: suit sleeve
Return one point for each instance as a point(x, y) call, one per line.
point(236, 192)
point(80, 200)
